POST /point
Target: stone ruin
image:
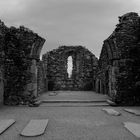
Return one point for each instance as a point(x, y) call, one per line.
point(19, 57)
point(84, 64)
point(42, 81)
point(118, 73)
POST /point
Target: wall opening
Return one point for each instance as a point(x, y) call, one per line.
point(69, 66)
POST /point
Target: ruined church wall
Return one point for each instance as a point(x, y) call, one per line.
point(1, 87)
point(20, 48)
point(3, 30)
point(118, 69)
point(42, 81)
point(83, 68)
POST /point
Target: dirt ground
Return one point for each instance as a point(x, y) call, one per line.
point(70, 123)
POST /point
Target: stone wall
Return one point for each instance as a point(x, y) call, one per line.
point(118, 73)
point(84, 63)
point(21, 49)
point(42, 82)
point(3, 30)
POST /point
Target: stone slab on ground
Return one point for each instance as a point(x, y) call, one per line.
point(73, 104)
point(111, 103)
point(111, 111)
point(133, 111)
point(71, 101)
point(35, 128)
point(134, 128)
point(5, 124)
point(52, 93)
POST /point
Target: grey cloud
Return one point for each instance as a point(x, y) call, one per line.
point(62, 22)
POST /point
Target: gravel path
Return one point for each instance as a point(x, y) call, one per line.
point(69, 123)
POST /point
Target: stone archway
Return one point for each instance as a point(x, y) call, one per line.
point(20, 52)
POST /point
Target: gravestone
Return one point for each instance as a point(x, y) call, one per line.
point(35, 128)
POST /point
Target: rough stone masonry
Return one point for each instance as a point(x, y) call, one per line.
point(19, 55)
point(83, 70)
point(118, 73)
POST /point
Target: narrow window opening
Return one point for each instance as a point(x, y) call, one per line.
point(69, 66)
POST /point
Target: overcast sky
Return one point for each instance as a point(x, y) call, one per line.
point(68, 22)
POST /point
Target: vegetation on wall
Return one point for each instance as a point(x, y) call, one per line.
point(19, 44)
point(120, 53)
point(16, 67)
